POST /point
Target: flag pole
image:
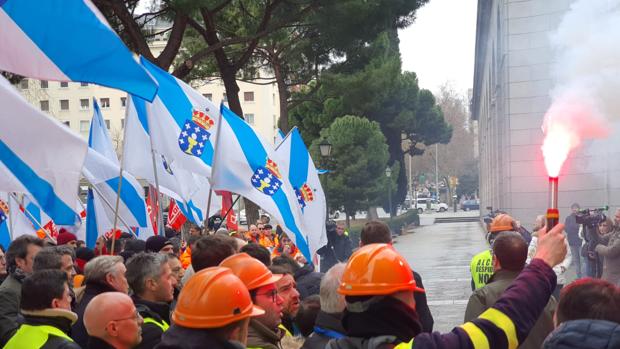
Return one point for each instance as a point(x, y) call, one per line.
point(10, 217)
point(109, 205)
point(229, 209)
point(37, 223)
point(158, 203)
point(217, 141)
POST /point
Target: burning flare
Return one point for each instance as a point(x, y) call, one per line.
point(569, 121)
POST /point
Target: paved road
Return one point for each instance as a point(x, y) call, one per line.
point(441, 254)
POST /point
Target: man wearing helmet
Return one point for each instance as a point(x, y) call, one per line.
point(481, 266)
point(378, 286)
point(213, 311)
point(263, 331)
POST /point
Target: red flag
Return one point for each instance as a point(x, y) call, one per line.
point(151, 208)
point(175, 216)
point(50, 228)
point(227, 203)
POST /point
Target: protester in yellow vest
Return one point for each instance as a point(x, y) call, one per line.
point(46, 307)
point(481, 266)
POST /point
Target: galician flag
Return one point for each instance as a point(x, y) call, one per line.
point(39, 156)
point(304, 178)
point(13, 222)
point(246, 164)
point(67, 41)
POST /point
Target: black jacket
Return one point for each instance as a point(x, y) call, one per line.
point(338, 249)
point(421, 306)
point(151, 333)
point(585, 334)
point(308, 281)
point(327, 326)
point(57, 319)
point(78, 331)
point(97, 343)
point(10, 295)
point(188, 338)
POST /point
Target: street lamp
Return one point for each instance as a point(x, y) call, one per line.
point(388, 174)
point(326, 149)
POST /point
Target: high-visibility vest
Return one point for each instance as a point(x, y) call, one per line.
point(28, 336)
point(405, 345)
point(163, 324)
point(286, 331)
point(481, 268)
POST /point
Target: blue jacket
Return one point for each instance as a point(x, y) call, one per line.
point(585, 334)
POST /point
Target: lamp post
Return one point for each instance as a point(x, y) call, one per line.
point(388, 174)
point(326, 149)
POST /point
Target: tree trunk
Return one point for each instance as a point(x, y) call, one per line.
point(283, 96)
point(372, 213)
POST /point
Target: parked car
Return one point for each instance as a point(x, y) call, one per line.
point(422, 205)
point(469, 205)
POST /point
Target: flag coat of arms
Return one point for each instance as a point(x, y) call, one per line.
point(247, 165)
point(13, 221)
point(67, 41)
point(181, 123)
point(303, 176)
point(188, 189)
point(39, 156)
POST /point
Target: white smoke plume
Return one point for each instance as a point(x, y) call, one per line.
point(586, 97)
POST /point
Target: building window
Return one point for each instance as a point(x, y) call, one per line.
point(248, 96)
point(83, 84)
point(64, 84)
point(67, 123)
point(208, 96)
point(249, 118)
point(273, 97)
point(107, 124)
point(84, 104)
point(123, 123)
point(23, 84)
point(84, 126)
point(45, 105)
point(44, 84)
point(224, 97)
point(105, 103)
point(123, 102)
point(64, 104)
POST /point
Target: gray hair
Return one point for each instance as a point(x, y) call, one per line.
point(51, 257)
point(97, 268)
point(331, 300)
point(144, 266)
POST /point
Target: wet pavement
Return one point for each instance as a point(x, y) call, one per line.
point(441, 254)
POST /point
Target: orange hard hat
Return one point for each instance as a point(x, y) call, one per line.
point(214, 297)
point(251, 271)
point(375, 270)
point(501, 222)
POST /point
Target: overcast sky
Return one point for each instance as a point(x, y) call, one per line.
point(439, 45)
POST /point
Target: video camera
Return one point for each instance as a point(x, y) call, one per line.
point(591, 216)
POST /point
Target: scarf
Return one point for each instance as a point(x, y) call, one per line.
point(383, 316)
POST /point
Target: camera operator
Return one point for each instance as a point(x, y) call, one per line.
point(591, 219)
point(609, 249)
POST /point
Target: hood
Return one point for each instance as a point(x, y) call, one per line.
point(584, 334)
point(361, 343)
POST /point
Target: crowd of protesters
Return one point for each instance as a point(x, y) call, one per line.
point(254, 289)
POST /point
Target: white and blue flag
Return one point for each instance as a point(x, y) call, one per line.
point(304, 178)
point(39, 156)
point(181, 122)
point(67, 41)
point(13, 222)
point(247, 165)
point(189, 190)
point(102, 170)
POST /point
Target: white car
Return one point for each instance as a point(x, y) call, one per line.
point(422, 205)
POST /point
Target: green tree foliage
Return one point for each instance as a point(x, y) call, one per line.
point(370, 84)
point(357, 167)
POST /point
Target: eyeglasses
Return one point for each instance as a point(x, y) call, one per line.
point(273, 294)
point(136, 316)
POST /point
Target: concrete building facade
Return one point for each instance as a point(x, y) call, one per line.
point(512, 84)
